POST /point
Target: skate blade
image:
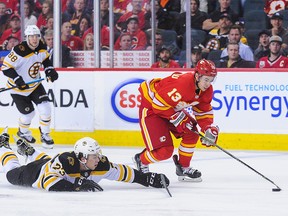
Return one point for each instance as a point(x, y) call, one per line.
point(47, 146)
point(187, 179)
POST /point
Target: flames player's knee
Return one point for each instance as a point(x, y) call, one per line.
point(164, 152)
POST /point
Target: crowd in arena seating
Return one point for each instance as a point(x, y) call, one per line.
point(218, 27)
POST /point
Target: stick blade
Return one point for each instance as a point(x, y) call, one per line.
point(276, 189)
point(164, 184)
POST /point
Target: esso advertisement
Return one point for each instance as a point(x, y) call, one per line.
point(125, 100)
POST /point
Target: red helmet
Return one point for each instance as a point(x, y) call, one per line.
point(206, 67)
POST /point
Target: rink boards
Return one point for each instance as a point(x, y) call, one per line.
point(250, 107)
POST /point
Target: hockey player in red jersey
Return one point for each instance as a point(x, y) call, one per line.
point(275, 59)
point(161, 112)
point(78, 170)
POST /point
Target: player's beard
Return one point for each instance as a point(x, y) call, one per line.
point(165, 60)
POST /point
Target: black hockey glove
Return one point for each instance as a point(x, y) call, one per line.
point(20, 83)
point(82, 184)
point(51, 74)
point(154, 180)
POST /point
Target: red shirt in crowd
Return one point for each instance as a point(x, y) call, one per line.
point(171, 64)
point(280, 62)
point(139, 41)
point(74, 43)
point(8, 32)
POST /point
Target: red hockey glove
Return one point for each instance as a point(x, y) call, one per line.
point(211, 133)
point(182, 122)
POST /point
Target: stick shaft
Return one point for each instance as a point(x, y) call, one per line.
point(31, 82)
point(231, 155)
point(228, 153)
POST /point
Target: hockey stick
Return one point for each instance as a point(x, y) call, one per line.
point(34, 81)
point(164, 185)
point(277, 189)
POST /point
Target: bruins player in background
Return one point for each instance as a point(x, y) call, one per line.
point(78, 170)
point(22, 65)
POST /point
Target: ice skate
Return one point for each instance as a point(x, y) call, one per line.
point(186, 173)
point(26, 136)
point(23, 147)
point(139, 165)
point(47, 141)
point(4, 139)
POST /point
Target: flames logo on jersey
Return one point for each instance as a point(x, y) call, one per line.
point(34, 70)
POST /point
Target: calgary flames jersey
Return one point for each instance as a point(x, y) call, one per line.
point(26, 63)
point(280, 62)
point(273, 6)
point(171, 94)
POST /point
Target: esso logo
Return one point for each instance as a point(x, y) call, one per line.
point(126, 100)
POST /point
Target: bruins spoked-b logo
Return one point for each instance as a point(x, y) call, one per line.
point(34, 70)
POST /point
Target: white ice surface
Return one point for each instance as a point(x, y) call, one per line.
point(228, 188)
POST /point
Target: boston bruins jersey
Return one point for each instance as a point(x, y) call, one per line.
point(26, 63)
point(60, 172)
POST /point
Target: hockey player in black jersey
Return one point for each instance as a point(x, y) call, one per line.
point(22, 65)
point(78, 170)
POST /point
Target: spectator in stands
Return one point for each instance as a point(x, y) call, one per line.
point(49, 24)
point(47, 10)
point(197, 19)
point(241, 23)
point(277, 29)
point(105, 32)
point(244, 50)
point(14, 30)
point(165, 60)
point(82, 26)
point(69, 40)
point(10, 43)
point(164, 19)
point(89, 42)
point(139, 40)
point(277, 25)
point(203, 5)
point(263, 47)
point(66, 58)
point(234, 60)
point(29, 19)
point(158, 42)
point(271, 6)
point(136, 11)
point(217, 38)
point(196, 55)
point(125, 41)
point(79, 8)
point(104, 13)
point(11, 6)
point(224, 6)
point(275, 59)
point(4, 18)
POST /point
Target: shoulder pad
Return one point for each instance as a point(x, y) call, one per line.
point(69, 162)
point(22, 49)
point(42, 45)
